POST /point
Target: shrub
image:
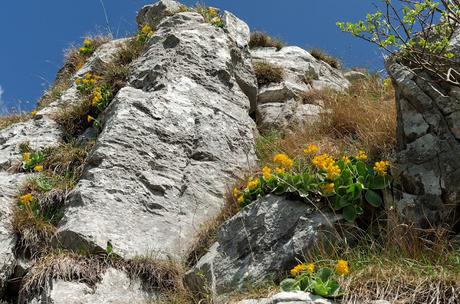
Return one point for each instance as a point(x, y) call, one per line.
point(267, 73)
point(323, 56)
point(259, 39)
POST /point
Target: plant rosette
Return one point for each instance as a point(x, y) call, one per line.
point(31, 161)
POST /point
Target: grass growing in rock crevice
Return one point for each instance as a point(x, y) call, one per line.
point(267, 73)
point(323, 56)
point(260, 39)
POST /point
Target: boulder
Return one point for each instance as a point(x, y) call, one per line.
point(427, 166)
point(115, 287)
point(355, 75)
point(261, 242)
point(153, 14)
point(171, 143)
point(290, 298)
point(302, 72)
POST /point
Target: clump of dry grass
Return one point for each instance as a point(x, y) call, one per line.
point(267, 73)
point(323, 56)
point(363, 117)
point(314, 96)
point(260, 39)
point(10, 119)
point(73, 119)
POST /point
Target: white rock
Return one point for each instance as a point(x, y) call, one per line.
point(290, 298)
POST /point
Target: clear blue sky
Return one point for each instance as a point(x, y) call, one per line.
point(35, 33)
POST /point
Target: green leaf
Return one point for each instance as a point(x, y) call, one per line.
point(361, 168)
point(333, 288)
point(379, 182)
point(289, 285)
point(319, 288)
point(324, 274)
point(350, 213)
point(373, 198)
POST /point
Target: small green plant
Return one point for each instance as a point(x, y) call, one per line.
point(87, 49)
point(267, 73)
point(31, 161)
point(259, 39)
point(145, 33)
point(211, 15)
point(322, 282)
point(346, 183)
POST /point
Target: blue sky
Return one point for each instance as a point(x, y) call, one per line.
point(35, 33)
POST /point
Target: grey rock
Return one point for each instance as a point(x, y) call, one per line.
point(302, 72)
point(290, 298)
point(237, 29)
point(260, 242)
point(115, 288)
point(355, 75)
point(153, 14)
point(170, 144)
point(427, 166)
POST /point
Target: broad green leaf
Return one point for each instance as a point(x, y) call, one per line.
point(373, 198)
point(361, 168)
point(324, 274)
point(350, 213)
point(289, 285)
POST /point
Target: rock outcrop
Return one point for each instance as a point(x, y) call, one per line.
point(260, 241)
point(427, 167)
point(279, 105)
point(290, 298)
point(171, 142)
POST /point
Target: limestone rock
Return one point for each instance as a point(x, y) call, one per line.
point(260, 242)
point(302, 72)
point(355, 75)
point(153, 14)
point(171, 142)
point(115, 288)
point(290, 298)
point(427, 168)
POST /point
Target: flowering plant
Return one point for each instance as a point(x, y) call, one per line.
point(347, 183)
point(144, 34)
point(87, 49)
point(31, 161)
point(322, 281)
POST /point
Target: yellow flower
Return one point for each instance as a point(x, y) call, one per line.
point(311, 149)
point(236, 192)
point(346, 159)
point(146, 29)
point(381, 167)
point(87, 42)
point(34, 113)
point(252, 184)
point(88, 75)
point(90, 118)
point(240, 199)
point(97, 96)
point(212, 11)
point(85, 81)
point(280, 170)
point(26, 157)
point(283, 160)
point(328, 188)
point(267, 172)
point(82, 49)
point(310, 268)
point(38, 168)
point(323, 161)
point(298, 269)
point(78, 81)
point(361, 155)
point(333, 171)
point(342, 267)
point(26, 198)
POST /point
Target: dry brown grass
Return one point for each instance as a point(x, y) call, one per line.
point(260, 39)
point(325, 57)
point(363, 117)
point(8, 120)
point(267, 73)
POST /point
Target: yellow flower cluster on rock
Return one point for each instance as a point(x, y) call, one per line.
point(145, 34)
point(86, 82)
point(342, 268)
point(326, 163)
point(97, 96)
point(267, 172)
point(361, 155)
point(307, 268)
point(26, 198)
point(328, 188)
point(252, 184)
point(311, 149)
point(283, 161)
point(382, 167)
point(87, 48)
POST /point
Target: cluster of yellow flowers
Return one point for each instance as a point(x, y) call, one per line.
point(26, 198)
point(326, 163)
point(328, 188)
point(267, 172)
point(283, 161)
point(341, 268)
point(361, 155)
point(145, 34)
point(382, 167)
point(97, 96)
point(28, 162)
point(214, 18)
point(87, 48)
point(311, 149)
point(308, 268)
point(87, 81)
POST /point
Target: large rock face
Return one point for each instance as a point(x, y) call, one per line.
point(260, 242)
point(427, 167)
point(278, 105)
point(171, 143)
point(290, 298)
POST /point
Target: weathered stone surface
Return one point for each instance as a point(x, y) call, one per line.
point(302, 72)
point(153, 14)
point(169, 146)
point(355, 75)
point(260, 242)
point(115, 288)
point(427, 167)
point(290, 298)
